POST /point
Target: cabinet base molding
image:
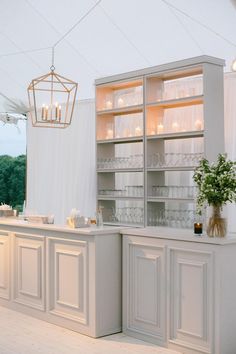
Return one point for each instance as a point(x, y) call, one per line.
point(144, 336)
point(186, 349)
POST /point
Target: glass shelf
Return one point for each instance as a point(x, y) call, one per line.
point(133, 139)
point(119, 170)
point(177, 135)
point(124, 110)
point(162, 199)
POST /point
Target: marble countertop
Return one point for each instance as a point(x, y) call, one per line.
point(179, 234)
point(92, 230)
point(154, 232)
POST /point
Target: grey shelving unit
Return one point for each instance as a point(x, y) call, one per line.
point(142, 123)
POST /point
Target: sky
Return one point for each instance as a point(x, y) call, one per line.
point(13, 139)
point(116, 37)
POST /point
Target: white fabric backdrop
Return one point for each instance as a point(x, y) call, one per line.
point(230, 134)
point(61, 163)
point(61, 166)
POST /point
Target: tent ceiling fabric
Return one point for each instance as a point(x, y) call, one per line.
point(116, 37)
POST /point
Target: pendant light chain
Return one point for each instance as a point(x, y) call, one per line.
point(54, 111)
point(69, 31)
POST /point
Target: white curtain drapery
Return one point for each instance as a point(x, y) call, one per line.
point(61, 166)
point(230, 135)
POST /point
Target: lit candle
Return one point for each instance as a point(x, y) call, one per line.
point(160, 128)
point(175, 126)
point(108, 104)
point(43, 112)
point(109, 134)
point(152, 129)
point(46, 112)
point(198, 228)
point(56, 110)
point(198, 124)
point(59, 112)
point(120, 102)
point(126, 133)
point(138, 131)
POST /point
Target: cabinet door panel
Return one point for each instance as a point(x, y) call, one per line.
point(191, 293)
point(145, 300)
point(4, 266)
point(29, 269)
point(67, 279)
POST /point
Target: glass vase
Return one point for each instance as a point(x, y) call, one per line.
point(217, 226)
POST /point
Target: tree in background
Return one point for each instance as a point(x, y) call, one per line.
point(12, 180)
point(5, 171)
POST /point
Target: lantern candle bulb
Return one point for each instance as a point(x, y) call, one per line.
point(46, 112)
point(43, 112)
point(59, 112)
point(56, 110)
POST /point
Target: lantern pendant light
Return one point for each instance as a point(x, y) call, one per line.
point(52, 99)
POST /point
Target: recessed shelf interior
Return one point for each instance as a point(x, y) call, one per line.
point(121, 184)
point(168, 153)
point(120, 156)
point(171, 184)
point(119, 126)
point(123, 212)
point(119, 95)
point(161, 120)
point(173, 86)
point(171, 213)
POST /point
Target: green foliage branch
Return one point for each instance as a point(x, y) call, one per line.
point(216, 182)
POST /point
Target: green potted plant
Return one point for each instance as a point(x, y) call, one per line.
point(216, 184)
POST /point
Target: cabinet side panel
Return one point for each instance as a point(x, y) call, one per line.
point(108, 284)
point(4, 266)
point(213, 89)
point(225, 306)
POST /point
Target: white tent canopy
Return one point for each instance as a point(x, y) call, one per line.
point(117, 36)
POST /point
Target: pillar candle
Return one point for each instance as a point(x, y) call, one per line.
point(198, 228)
point(160, 128)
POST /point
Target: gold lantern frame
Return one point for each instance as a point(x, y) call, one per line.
point(48, 117)
point(56, 120)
